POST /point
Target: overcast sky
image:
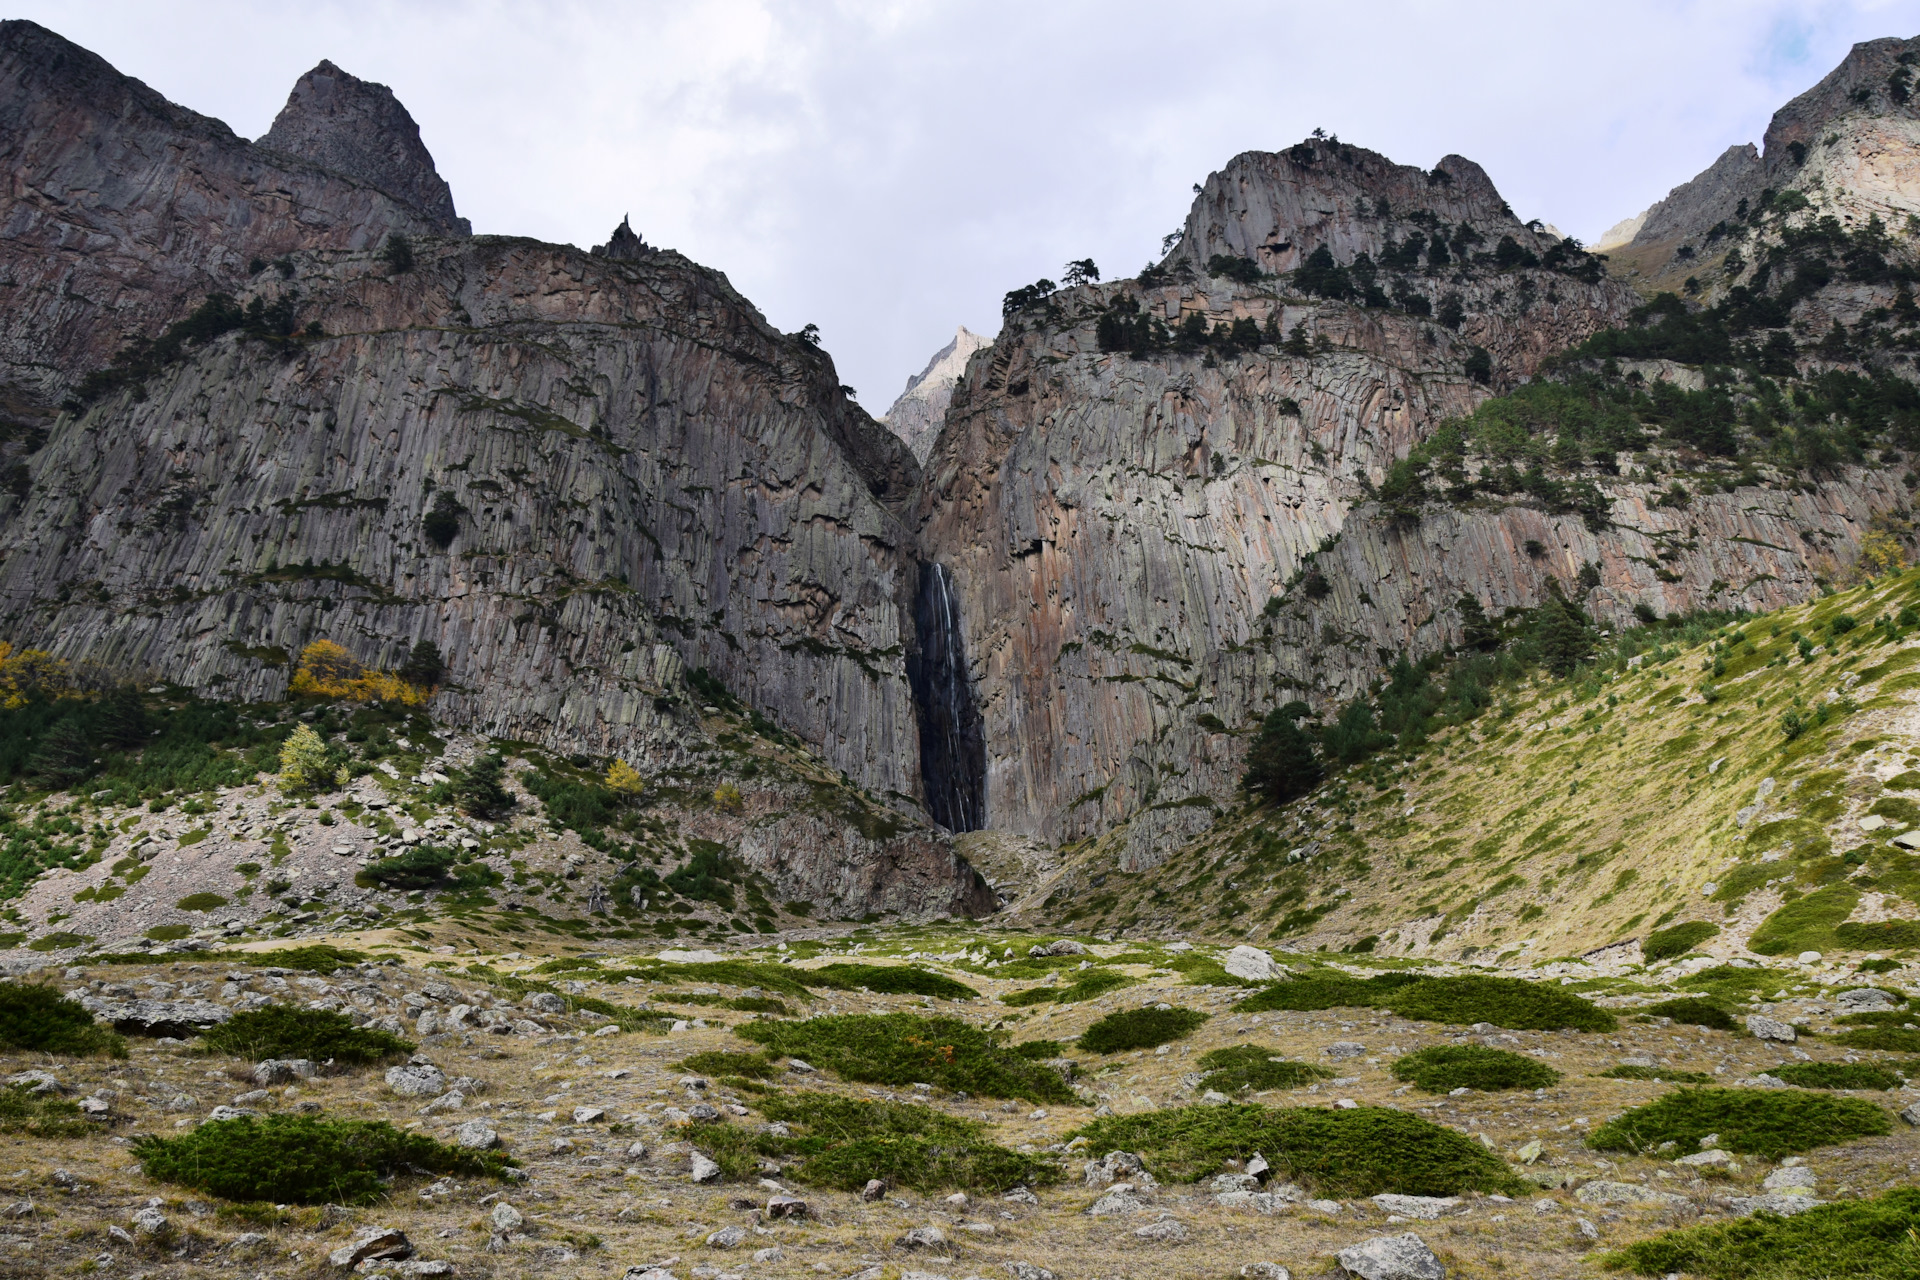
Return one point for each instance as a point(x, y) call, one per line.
point(889, 170)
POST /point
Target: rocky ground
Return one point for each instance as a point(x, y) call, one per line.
point(606, 1126)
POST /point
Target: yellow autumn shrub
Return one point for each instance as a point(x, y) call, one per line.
point(327, 670)
point(624, 780)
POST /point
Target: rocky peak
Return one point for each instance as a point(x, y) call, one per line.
point(357, 127)
point(917, 415)
point(1277, 207)
point(624, 245)
point(1876, 77)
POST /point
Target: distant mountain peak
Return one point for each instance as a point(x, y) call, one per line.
point(916, 417)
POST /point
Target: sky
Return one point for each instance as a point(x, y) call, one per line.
point(890, 170)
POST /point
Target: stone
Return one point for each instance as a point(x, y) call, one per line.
point(915, 416)
point(94, 1105)
point(1607, 1192)
point(1063, 947)
point(1266, 1271)
point(505, 1219)
point(1908, 839)
point(1794, 1181)
point(1341, 1050)
point(1911, 1113)
point(545, 1002)
point(874, 1190)
point(1871, 822)
point(230, 1113)
point(416, 1080)
point(36, 1082)
point(476, 1135)
point(1165, 1231)
point(678, 956)
point(1530, 1152)
point(703, 1169)
point(1401, 1257)
point(381, 1244)
point(1426, 1208)
point(1809, 957)
point(150, 1221)
point(786, 1207)
point(727, 1238)
point(1764, 1028)
point(1706, 1160)
point(923, 1238)
point(1028, 1271)
point(179, 1019)
point(1861, 999)
point(589, 1115)
point(1252, 964)
point(1118, 1202)
point(772, 1253)
point(274, 1071)
point(1785, 1205)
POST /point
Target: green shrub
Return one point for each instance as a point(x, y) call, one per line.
point(1839, 1075)
point(1667, 1075)
point(906, 1048)
point(320, 957)
point(1876, 1018)
point(303, 1159)
point(37, 1017)
point(168, 932)
point(895, 980)
point(1085, 986)
point(1693, 1012)
point(1328, 991)
point(1039, 1050)
point(1732, 983)
point(1884, 1039)
point(1879, 935)
point(1763, 1122)
point(731, 973)
point(280, 1031)
point(1513, 1003)
point(1248, 1066)
point(43, 1115)
point(1665, 944)
point(726, 1062)
point(201, 902)
point(1139, 1029)
point(1341, 1154)
point(1806, 923)
point(1446, 1067)
point(1876, 1239)
point(843, 1142)
point(422, 867)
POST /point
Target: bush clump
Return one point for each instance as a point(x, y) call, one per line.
point(895, 980)
point(1085, 986)
point(844, 1142)
point(1139, 1029)
point(1846, 1240)
point(1248, 1066)
point(303, 1159)
point(727, 1062)
point(319, 957)
point(1039, 1050)
point(1762, 1122)
point(43, 1115)
point(37, 1017)
point(1884, 1039)
point(1839, 1075)
point(1446, 1067)
point(1665, 944)
point(906, 1048)
point(1658, 1075)
point(279, 1031)
point(1693, 1012)
point(1513, 1003)
point(1328, 991)
point(1341, 1154)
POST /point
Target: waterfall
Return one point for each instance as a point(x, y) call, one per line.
point(953, 755)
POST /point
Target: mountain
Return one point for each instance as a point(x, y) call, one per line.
point(917, 415)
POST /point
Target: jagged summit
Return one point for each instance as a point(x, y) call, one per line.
point(624, 245)
point(916, 416)
point(337, 120)
point(1277, 207)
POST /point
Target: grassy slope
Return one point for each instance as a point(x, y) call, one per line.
point(1576, 813)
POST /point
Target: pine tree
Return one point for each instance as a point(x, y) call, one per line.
point(1281, 764)
point(1563, 634)
point(64, 756)
point(483, 791)
point(123, 718)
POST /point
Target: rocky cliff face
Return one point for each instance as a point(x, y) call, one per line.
point(1127, 534)
point(916, 417)
point(341, 122)
point(124, 210)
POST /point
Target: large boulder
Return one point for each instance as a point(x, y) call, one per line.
point(1402, 1257)
point(1252, 964)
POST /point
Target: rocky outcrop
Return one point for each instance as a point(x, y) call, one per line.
point(125, 210)
point(1693, 206)
point(353, 126)
point(916, 417)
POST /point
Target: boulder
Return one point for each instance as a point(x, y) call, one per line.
point(1795, 1181)
point(545, 1002)
point(1165, 1231)
point(505, 1219)
point(1266, 1271)
point(1028, 1271)
point(1402, 1257)
point(727, 1238)
point(1252, 964)
point(588, 1115)
point(1426, 1208)
point(282, 1071)
point(36, 1082)
point(786, 1207)
point(1064, 947)
point(475, 1135)
point(672, 956)
point(379, 1244)
point(176, 1018)
point(1604, 1192)
point(1861, 999)
point(873, 1191)
point(150, 1221)
point(417, 1080)
point(923, 1238)
point(1773, 1202)
point(1764, 1028)
point(702, 1169)
point(1341, 1050)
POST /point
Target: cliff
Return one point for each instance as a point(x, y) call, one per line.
point(920, 411)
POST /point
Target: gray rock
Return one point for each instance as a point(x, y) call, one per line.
point(1063, 947)
point(923, 1238)
point(1605, 1192)
point(772, 1253)
point(144, 1017)
point(505, 1219)
point(727, 1238)
point(1706, 1160)
point(874, 1191)
point(1028, 1271)
point(1341, 1050)
point(1252, 964)
point(545, 1002)
point(282, 1071)
point(1863, 999)
point(1765, 1028)
point(588, 1115)
point(36, 1082)
point(1119, 1202)
point(786, 1207)
point(1911, 1113)
point(1795, 1181)
point(1402, 1257)
point(1785, 1205)
point(475, 1135)
point(380, 1244)
point(1266, 1271)
point(703, 1169)
point(150, 1221)
point(1165, 1231)
point(417, 1080)
point(1426, 1208)
point(230, 1113)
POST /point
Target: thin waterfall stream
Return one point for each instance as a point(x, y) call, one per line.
point(953, 753)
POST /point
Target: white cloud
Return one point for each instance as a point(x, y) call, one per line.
point(889, 170)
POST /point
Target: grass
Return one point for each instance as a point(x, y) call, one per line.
point(1839, 1075)
point(1039, 1050)
point(1341, 1154)
point(727, 973)
point(1734, 984)
point(1876, 1239)
point(1885, 1039)
point(844, 1142)
point(1446, 1067)
point(42, 1115)
point(906, 1048)
point(1248, 1066)
point(320, 957)
point(38, 1018)
point(1693, 1012)
point(1139, 1029)
point(1763, 1122)
point(623, 1016)
point(1327, 991)
point(1666, 944)
point(727, 1062)
point(895, 980)
point(1807, 923)
point(1085, 986)
point(1513, 1003)
point(1667, 1075)
point(303, 1159)
point(280, 1031)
